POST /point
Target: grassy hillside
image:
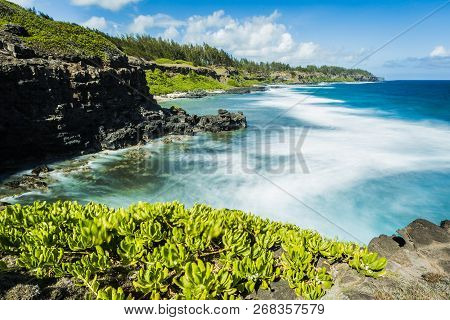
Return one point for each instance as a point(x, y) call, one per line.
point(166, 251)
point(57, 38)
point(161, 83)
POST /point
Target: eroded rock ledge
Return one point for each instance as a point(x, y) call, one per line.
point(418, 266)
point(58, 106)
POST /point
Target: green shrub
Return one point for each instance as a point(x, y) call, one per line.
point(164, 61)
point(162, 83)
point(171, 252)
point(184, 62)
point(170, 61)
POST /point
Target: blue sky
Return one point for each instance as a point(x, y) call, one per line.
point(297, 32)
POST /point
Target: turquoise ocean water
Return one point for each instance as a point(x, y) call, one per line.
point(375, 156)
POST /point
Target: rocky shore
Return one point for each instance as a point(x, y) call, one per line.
point(62, 106)
point(196, 94)
point(418, 268)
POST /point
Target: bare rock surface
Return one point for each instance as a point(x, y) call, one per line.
point(418, 266)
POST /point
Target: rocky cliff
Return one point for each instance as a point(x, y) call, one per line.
point(57, 106)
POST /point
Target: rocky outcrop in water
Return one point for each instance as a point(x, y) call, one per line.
point(59, 106)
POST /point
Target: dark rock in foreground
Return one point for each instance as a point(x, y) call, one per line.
point(53, 107)
point(418, 266)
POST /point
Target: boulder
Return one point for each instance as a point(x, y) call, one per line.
point(39, 170)
point(279, 290)
point(15, 29)
point(418, 266)
point(224, 121)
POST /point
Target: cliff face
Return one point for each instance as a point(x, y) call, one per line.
point(59, 106)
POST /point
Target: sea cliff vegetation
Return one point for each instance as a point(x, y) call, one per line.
point(162, 83)
point(167, 251)
point(57, 38)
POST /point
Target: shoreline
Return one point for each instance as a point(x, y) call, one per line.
point(197, 94)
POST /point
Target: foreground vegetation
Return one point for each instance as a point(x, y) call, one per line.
point(165, 251)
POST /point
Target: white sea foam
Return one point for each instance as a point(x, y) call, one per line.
point(348, 147)
point(345, 149)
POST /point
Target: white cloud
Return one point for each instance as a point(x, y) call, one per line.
point(260, 38)
point(98, 23)
point(23, 3)
point(439, 58)
point(142, 24)
point(106, 4)
point(170, 33)
point(307, 50)
point(439, 51)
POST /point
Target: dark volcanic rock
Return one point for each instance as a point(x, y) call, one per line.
point(52, 107)
point(3, 205)
point(15, 29)
point(224, 121)
point(39, 170)
point(173, 68)
point(279, 290)
point(246, 89)
point(27, 182)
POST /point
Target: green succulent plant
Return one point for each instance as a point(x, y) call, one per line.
point(153, 281)
point(87, 234)
point(110, 293)
point(368, 263)
point(310, 290)
point(198, 281)
point(131, 249)
point(173, 256)
point(236, 243)
point(40, 259)
point(171, 252)
point(256, 273)
point(151, 231)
